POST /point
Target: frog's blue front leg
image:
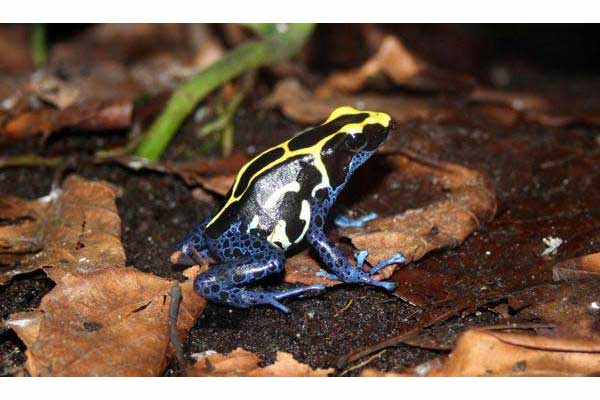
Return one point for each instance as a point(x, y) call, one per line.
point(245, 258)
point(333, 257)
point(194, 244)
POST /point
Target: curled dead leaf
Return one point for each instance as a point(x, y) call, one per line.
point(215, 175)
point(518, 101)
point(302, 268)
point(77, 228)
point(469, 201)
point(88, 116)
point(577, 268)
point(491, 353)
point(241, 362)
point(573, 307)
point(81, 91)
point(298, 104)
point(403, 67)
point(110, 323)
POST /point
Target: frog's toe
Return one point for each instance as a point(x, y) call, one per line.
point(360, 257)
point(279, 306)
point(344, 221)
point(301, 291)
point(397, 258)
point(387, 285)
point(324, 274)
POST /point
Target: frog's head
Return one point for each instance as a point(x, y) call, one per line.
point(355, 136)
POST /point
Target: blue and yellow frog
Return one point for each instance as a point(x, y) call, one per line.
point(279, 199)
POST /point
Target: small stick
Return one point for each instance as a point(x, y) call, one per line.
point(173, 334)
point(343, 308)
point(362, 364)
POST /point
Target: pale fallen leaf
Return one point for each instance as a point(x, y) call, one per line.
point(573, 307)
point(468, 202)
point(403, 67)
point(241, 362)
point(518, 101)
point(110, 323)
point(303, 268)
point(533, 108)
point(300, 105)
point(108, 67)
point(215, 174)
point(491, 353)
point(77, 228)
point(578, 268)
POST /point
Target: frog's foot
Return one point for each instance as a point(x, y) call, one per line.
point(249, 298)
point(387, 285)
point(397, 258)
point(344, 221)
point(357, 275)
point(324, 274)
point(242, 298)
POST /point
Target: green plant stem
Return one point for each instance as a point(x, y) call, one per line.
point(39, 47)
point(30, 160)
point(272, 49)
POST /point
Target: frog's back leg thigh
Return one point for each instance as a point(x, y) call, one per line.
point(194, 245)
point(245, 258)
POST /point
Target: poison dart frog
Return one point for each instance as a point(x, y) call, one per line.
point(277, 200)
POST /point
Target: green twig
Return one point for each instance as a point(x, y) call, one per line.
point(277, 46)
point(39, 47)
point(30, 160)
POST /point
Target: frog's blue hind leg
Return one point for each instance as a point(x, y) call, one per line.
point(194, 245)
point(333, 257)
point(245, 258)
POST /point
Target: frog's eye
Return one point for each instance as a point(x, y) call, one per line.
point(355, 141)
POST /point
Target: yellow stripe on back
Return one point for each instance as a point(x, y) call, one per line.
point(314, 150)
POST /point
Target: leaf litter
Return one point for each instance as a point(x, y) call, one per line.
point(97, 92)
point(101, 318)
point(241, 362)
point(110, 323)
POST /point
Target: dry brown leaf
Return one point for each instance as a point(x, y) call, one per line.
point(578, 268)
point(215, 175)
point(87, 116)
point(110, 323)
point(572, 306)
point(518, 101)
point(491, 353)
point(14, 42)
point(298, 104)
point(78, 229)
point(533, 107)
point(20, 232)
point(302, 268)
point(92, 81)
point(244, 363)
point(403, 67)
point(469, 201)
point(219, 184)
